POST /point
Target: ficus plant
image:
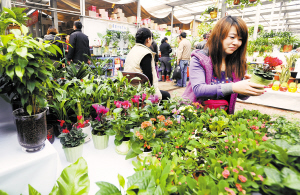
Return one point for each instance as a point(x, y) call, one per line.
point(25, 67)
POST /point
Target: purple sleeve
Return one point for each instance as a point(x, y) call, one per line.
point(199, 86)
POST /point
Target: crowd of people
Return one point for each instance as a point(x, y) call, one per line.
point(217, 67)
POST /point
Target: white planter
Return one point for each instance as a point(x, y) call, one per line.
point(100, 142)
point(88, 131)
point(141, 157)
point(72, 154)
point(123, 148)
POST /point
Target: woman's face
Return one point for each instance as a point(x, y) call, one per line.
point(232, 42)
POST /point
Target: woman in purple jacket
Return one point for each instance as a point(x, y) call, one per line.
point(217, 71)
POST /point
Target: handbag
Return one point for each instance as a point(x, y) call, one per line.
point(177, 73)
point(215, 104)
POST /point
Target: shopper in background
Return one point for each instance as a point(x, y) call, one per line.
point(165, 50)
point(51, 36)
point(154, 48)
point(216, 72)
point(141, 59)
point(202, 44)
point(79, 45)
point(183, 58)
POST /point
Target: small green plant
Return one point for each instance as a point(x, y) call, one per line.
point(72, 138)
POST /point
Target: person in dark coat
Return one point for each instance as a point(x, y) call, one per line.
point(154, 48)
point(80, 45)
point(165, 59)
point(51, 36)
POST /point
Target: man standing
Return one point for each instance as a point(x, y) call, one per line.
point(79, 45)
point(202, 44)
point(154, 48)
point(183, 58)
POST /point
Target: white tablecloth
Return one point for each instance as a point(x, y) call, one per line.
point(277, 99)
point(18, 168)
point(103, 165)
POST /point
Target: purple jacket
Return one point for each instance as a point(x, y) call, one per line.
point(199, 88)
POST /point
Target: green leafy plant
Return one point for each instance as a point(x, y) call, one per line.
point(25, 67)
point(72, 138)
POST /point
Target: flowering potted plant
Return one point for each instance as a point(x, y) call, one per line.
point(85, 125)
point(121, 127)
point(143, 141)
point(72, 142)
point(100, 127)
point(264, 75)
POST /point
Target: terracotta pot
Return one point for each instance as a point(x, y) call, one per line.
point(287, 48)
point(236, 2)
point(252, 1)
point(291, 80)
point(276, 77)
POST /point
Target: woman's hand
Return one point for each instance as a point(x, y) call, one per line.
point(247, 88)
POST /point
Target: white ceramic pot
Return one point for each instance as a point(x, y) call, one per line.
point(100, 141)
point(72, 154)
point(141, 157)
point(88, 131)
point(123, 148)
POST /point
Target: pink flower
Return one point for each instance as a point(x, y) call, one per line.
point(233, 142)
point(98, 118)
point(244, 150)
point(225, 173)
point(265, 138)
point(153, 98)
point(226, 140)
point(179, 183)
point(230, 191)
point(144, 96)
point(239, 187)
point(239, 140)
point(263, 126)
point(118, 104)
point(220, 161)
point(136, 99)
point(226, 147)
point(159, 153)
point(242, 178)
point(253, 174)
point(255, 118)
point(126, 104)
point(260, 177)
point(100, 109)
point(237, 149)
point(235, 170)
point(257, 132)
point(241, 168)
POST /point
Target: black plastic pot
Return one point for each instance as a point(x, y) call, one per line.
point(32, 130)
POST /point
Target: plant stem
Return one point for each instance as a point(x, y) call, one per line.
point(79, 112)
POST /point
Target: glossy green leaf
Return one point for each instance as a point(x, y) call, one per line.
point(11, 48)
point(24, 29)
point(130, 154)
point(107, 189)
point(16, 32)
point(294, 150)
point(22, 62)
point(30, 71)
point(29, 109)
point(192, 183)
point(121, 180)
point(73, 180)
point(9, 11)
point(3, 193)
point(273, 175)
point(10, 71)
point(32, 191)
point(19, 71)
point(57, 49)
point(31, 85)
point(22, 51)
point(292, 181)
point(143, 180)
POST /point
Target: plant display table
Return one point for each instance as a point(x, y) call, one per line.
point(103, 165)
point(277, 99)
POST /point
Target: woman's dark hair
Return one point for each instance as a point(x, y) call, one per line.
point(142, 34)
point(235, 62)
point(52, 30)
point(78, 25)
point(164, 40)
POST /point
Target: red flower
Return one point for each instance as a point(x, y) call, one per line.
point(144, 96)
point(118, 104)
point(79, 118)
point(66, 131)
point(272, 61)
point(226, 147)
point(225, 173)
point(241, 168)
point(61, 122)
point(265, 138)
point(260, 177)
point(126, 104)
point(80, 125)
point(49, 137)
point(239, 187)
point(242, 178)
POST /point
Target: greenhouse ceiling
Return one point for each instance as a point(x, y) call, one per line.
point(286, 14)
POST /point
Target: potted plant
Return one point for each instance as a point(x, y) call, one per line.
point(100, 127)
point(72, 142)
point(25, 67)
point(120, 125)
point(85, 125)
point(213, 11)
point(264, 75)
